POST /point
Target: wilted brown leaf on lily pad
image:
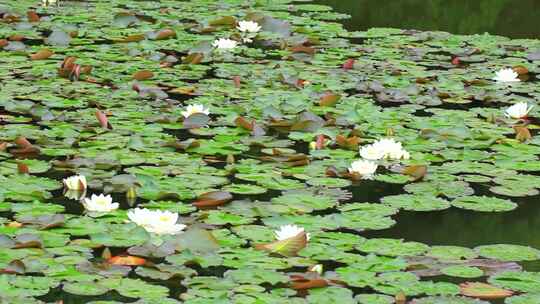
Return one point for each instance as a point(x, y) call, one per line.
point(165, 34)
point(213, 199)
point(329, 99)
point(103, 120)
point(23, 168)
point(300, 282)
point(521, 70)
point(483, 291)
point(14, 267)
point(350, 143)
point(24, 146)
point(193, 58)
point(522, 133)
point(143, 75)
point(28, 240)
point(42, 54)
point(416, 172)
point(133, 38)
point(127, 260)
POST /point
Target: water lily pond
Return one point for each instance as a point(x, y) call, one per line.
point(254, 151)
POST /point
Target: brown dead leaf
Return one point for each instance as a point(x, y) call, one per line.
point(133, 38)
point(329, 99)
point(302, 49)
point(103, 120)
point(522, 133)
point(32, 16)
point(416, 172)
point(16, 37)
point(193, 58)
point(521, 70)
point(244, 123)
point(483, 291)
point(126, 260)
point(165, 34)
point(213, 199)
point(22, 168)
point(143, 75)
point(41, 54)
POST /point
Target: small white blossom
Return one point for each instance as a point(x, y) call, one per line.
point(156, 221)
point(193, 109)
point(224, 44)
point(248, 27)
point(99, 203)
point(372, 152)
point(76, 182)
point(46, 3)
point(506, 75)
point(519, 110)
point(365, 168)
point(316, 268)
point(289, 231)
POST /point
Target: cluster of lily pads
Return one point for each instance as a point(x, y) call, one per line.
point(236, 152)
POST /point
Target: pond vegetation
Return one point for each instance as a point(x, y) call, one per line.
point(258, 152)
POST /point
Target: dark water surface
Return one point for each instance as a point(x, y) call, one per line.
point(512, 18)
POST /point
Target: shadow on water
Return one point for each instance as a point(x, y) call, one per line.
point(516, 19)
point(470, 228)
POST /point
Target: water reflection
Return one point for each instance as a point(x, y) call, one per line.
point(517, 19)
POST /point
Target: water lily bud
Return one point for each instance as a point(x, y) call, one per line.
point(76, 182)
point(316, 268)
point(131, 193)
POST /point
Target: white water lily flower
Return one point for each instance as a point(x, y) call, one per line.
point(506, 75)
point(46, 3)
point(289, 231)
point(365, 168)
point(99, 203)
point(372, 152)
point(156, 221)
point(224, 44)
point(519, 110)
point(193, 109)
point(76, 182)
point(248, 27)
point(386, 148)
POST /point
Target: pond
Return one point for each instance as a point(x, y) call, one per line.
point(269, 152)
